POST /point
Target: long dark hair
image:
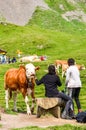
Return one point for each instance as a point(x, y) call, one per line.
point(51, 69)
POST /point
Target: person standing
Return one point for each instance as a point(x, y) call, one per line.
point(51, 82)
point(73, 82)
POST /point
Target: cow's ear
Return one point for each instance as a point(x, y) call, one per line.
point(37, 68)
point(22, 66)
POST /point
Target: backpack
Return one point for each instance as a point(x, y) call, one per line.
point(81, 117)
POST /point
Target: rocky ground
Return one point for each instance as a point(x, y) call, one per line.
point(19, 12)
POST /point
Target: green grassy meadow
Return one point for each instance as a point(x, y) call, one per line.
point(64, 127)
point(59, 40)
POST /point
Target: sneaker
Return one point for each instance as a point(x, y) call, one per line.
point(74, 117)
point(66, 117)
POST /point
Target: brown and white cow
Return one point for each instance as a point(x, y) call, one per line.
point(21, 80)
point(64, 65)
point(59, 63)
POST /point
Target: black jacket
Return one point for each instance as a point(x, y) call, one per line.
point(50, 82)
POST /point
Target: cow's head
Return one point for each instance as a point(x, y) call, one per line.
point(30, 70)
point(82, 67)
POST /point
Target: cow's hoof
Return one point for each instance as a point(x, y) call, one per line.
point(29, 113)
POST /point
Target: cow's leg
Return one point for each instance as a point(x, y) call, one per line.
point(62, 73)
point(25, 95)
point(33, 101)
point(31, 92)
point(27, 104)
point(57, 68)
point(7, 98)
point(15, 100)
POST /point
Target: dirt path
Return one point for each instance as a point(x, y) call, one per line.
point(23, 120)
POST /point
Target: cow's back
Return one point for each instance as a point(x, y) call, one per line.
point(15, 78)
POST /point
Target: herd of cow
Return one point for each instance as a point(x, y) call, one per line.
point(22, 80)
point(64, 65)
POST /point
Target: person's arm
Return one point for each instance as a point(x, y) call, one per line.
point(67, 77)
point(38, 82)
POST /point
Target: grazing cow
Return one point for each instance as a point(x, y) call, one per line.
point(23, 80)
point(80, 67)
point(28, 58)
point(65, 66)
point(59, 63)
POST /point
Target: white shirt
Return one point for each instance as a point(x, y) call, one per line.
point(73, 77)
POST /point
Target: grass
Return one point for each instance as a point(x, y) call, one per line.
point(56, 45)
point(59, 40)
point(64, 127)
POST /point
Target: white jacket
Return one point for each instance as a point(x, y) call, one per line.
point(73, 77)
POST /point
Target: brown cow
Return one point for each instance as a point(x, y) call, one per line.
point(59, 63)
point(65, 66)
point(23, 80)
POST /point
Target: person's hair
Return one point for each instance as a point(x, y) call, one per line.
point(51, 69)
point(71, 61)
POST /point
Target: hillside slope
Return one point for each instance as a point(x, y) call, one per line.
point(19, 11)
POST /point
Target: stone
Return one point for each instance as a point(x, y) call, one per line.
point(51, 105)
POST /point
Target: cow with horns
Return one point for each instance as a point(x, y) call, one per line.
point(20, 79)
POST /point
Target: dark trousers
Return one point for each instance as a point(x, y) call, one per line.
point(74, 94)
point(64, 96)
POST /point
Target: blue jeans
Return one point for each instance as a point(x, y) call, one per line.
point(69, 104)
